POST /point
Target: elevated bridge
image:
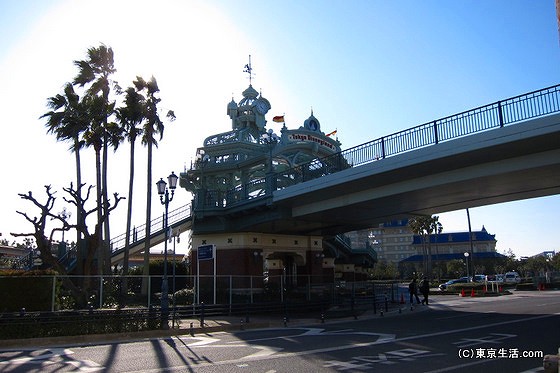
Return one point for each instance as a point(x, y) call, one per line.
point(505, 151)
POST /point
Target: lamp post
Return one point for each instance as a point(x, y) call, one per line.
point(467, 262)
point(176, 238)
point(165, 198)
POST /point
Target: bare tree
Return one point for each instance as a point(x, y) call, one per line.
point(44, 241)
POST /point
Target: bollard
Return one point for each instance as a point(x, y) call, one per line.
point(381, 313)
point(411, 307)
point(242, 327)
point(400, 310)
point(285, 321)
point(247, 313)
point(22, 312)
point(202, 315)
point(192, 331)
point(386, 303)
point(322, 318)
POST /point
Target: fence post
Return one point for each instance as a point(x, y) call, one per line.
point(149, 291)
point(500, 115)
point(230, 292)
point(435, 131)
point(374, 300)
point(383, 147)
point(101, 292)
point(53, 293)
point(251, 288)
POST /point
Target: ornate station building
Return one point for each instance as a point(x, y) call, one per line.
point(234, 168)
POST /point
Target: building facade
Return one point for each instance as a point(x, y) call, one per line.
point(234, 167)
point(395, 242)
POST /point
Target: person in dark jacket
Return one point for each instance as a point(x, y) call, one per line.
point(425, 290)
point(413, 291)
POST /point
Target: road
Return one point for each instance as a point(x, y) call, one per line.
point(498, 334)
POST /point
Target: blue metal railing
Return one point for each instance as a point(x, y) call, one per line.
point(138, 234)
point(499, 114)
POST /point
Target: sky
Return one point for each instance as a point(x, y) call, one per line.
point(366, 68)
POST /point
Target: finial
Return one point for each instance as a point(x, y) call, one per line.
point(249, 69)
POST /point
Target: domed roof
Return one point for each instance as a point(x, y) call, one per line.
point(250, 92)
point(232, 104)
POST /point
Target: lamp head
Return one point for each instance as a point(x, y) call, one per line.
point(172, 180)
point(161, 184)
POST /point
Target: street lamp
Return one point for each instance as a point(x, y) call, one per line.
point(467, 262)
point(165, 198)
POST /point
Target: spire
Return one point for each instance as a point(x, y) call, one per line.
point(249, 70)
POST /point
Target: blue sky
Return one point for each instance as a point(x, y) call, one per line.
point(366, 68)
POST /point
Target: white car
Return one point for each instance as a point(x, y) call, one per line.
point(512, 278)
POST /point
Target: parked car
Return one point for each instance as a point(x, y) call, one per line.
point(512, 278)
point(480, 278)
point(443, 287)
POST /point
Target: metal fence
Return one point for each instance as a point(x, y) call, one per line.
point(113, 291)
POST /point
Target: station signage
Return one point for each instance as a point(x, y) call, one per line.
point(310, 138)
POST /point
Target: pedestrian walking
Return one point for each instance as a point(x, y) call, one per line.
point(413, 291)
point(425, 290)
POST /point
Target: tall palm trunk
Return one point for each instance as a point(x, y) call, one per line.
point(148, 221)
point(99, 225)
point(128, 219)
point(79, 241)
point(106, 235)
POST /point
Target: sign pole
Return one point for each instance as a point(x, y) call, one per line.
point(197, 277)
point(215, 259)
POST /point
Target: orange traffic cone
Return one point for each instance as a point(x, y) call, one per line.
point(462, 292)
point(472, 293)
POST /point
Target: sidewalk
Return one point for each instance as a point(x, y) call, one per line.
point(192, 326)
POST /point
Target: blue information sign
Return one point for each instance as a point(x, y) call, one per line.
point(205, 252)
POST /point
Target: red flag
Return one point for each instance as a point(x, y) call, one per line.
point(332, 133)
point(278, 118)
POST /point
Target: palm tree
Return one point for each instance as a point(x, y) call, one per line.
point(67, 119)
point(94, 137)
point(130, 116)
point(425, 226)
point(96, 71)
point(153, 125)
